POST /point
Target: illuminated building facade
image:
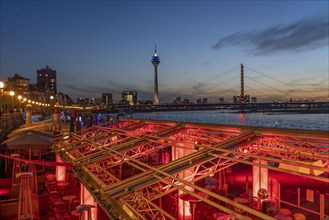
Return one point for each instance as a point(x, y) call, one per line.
point(19, 84)
point(129, 97)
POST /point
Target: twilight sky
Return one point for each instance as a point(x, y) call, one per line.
point(106, 46)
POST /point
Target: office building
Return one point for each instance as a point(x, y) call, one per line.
point(107, 99)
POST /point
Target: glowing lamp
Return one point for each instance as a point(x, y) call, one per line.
point(262, 193)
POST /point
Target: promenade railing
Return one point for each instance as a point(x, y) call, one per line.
point(10, 122)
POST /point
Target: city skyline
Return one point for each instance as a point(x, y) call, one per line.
point(107, 46)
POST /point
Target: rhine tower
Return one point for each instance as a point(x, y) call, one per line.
point(155, 61)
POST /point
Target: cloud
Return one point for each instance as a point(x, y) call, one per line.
point(205, 63)
point(306, 34)
point(82, 89)
point(199, 88)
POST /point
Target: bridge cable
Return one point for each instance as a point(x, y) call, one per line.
point(285, 93)
point(287, 84)
point(204, 81)
point(266, 95)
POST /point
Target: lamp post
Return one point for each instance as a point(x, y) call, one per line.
point(24, 101)
point(51, 105)
point(12, 93)
point(19, 102)
point(51, 100)
point(2, 85)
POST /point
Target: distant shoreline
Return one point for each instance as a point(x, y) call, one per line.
point(233, 111)
point(275, 112)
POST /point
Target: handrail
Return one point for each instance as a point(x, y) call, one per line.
point(9, 123)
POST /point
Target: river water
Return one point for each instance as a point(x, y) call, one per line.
point(283, 120)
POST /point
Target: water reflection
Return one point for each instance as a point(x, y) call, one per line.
point(296, 121)
point(242, 119)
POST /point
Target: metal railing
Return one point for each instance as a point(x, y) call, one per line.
point(10, 122)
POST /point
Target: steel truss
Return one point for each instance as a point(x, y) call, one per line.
point(120, 163)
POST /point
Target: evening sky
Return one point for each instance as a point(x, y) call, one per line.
point(106, 46)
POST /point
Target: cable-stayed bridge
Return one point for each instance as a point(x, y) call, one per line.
point(226, 82)
point(264, 86)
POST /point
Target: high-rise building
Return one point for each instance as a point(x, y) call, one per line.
point(19, 84)
point(83, 101)
point(155, 61)
point(46, 80)
point(202, 101)
point(95, 101)
point(237, 99)
point(107, 99)
point(129, 97)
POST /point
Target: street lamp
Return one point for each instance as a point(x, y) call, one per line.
point(12, 93)
point(24, 101)
point(19, 102)
point(51, 102)
point(2, 85)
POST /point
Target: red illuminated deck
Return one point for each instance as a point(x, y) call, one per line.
point(138, 168)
